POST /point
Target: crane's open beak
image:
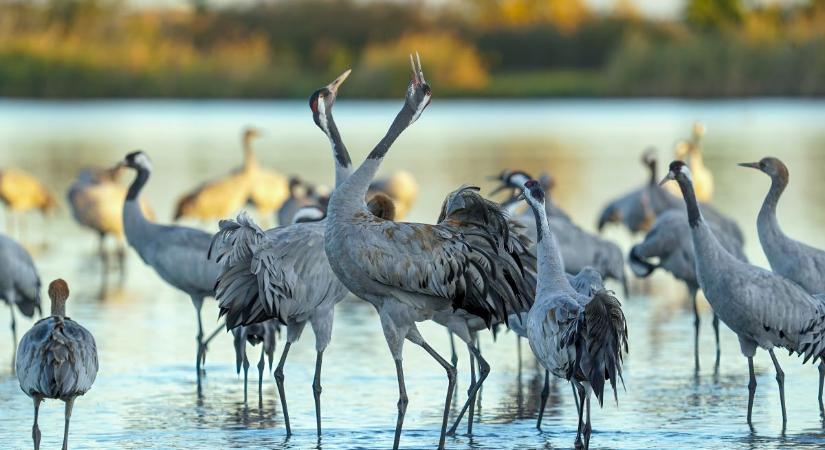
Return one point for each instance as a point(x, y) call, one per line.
point(752, 165)
point(668, 177)
point(333, 87)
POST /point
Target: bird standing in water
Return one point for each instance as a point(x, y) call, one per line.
point(57, 359)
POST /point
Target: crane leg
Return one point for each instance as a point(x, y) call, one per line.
point(588, 427)
point(198, 303)
point(718, 347)
point(261, 366)
point(206, 342)
point(245, 376)
point(316, 391)
point(453, 357)
point(480, 385)
point(518, 355)
point(696, 322)
point(780, 380)
point(751, 389)
point(484, 370)
point(121, 260)
point(279, 379)
point(402, 403)
point(545, 392)
point(471, 412)
point(821, 386)
point(101, 251)
point(451, 376)
point(13, 337)
point(69, 405)
point(35, 428)
point(577, 387)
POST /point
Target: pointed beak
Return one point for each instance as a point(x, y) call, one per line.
point(667, 178)
point(333, 87)
point(752, 165)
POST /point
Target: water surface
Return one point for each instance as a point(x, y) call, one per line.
point(145, 396)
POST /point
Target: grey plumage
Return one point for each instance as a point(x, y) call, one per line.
point(669, 242)
point(580, 338)
point(579, 249)
point(57, 359)
point(764, 309)
point(283, 273)
point(301, 194)
point(178, 254)
point(410, 271)
point(794, 260)
point(19, 284)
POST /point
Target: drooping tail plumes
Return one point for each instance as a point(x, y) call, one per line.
point(236, 289)
point(600, 338)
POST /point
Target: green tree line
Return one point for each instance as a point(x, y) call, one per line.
point(490, 48)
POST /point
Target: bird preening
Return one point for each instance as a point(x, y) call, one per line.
point(525, 264)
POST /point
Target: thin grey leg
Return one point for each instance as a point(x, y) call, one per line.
point(821, 386)
point(453, 354)
point(696, 322)
point(261, 366)
point(484, 370)
point(206, 342)
point(518, 354)
point(481, 381)
point(279, 379)
point(471, 413)
point(718, 347)
point(588, 428)
point(35, 428)
point(545, 392)
point(245, 377)
point(751, 389)
point(198, 303)
point(451, 375)
point(316, 390)
point(580, 407)
point(402, 403)
point(13, 338)
point(101, 250)
point(780, 380)
point(69, 405)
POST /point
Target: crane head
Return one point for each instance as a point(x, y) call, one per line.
point(678, 170)
point(138, 160)
point(419, 93)
point(321, 101)
point(771, 166)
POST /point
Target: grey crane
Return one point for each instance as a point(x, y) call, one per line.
point(764, 309)
point(263, 333)
point(580, 338)
point(790, 258)
point(466, 210)
point(283, 273)
point(637, 209)
point(178, 254)
point(410, 271)
point(19, 284)
point(548, 183)
point(301, 193)
point(579, 249)
point(669, 241)
point(57, 359)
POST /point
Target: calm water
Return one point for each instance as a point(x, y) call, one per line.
point(145, 397)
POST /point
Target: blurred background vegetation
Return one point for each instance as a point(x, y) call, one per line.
point(478, 48)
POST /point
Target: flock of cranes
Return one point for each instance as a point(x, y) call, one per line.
point(523, 264)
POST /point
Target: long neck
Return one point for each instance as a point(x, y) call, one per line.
point(551, 272)
point(694, 215)
point(652, 166)
point(59, 307)
point(343, 163)
point(249, 160)
point(767, 221)
point(137, 185)
point(357, 185)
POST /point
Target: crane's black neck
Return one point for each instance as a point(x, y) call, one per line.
point(686, 186)
point(401, 122)
point(137, 185)
point(339, 149)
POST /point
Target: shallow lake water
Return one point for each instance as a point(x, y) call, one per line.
point(145, 394)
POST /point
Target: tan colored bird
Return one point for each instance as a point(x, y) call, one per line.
point(22, 192)
point(249, 184)
point(268, 188)
point(401, 187)
point(96, 201)
point(690, 151)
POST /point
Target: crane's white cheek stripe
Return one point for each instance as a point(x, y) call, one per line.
point(143, 161)
point(420, 109)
